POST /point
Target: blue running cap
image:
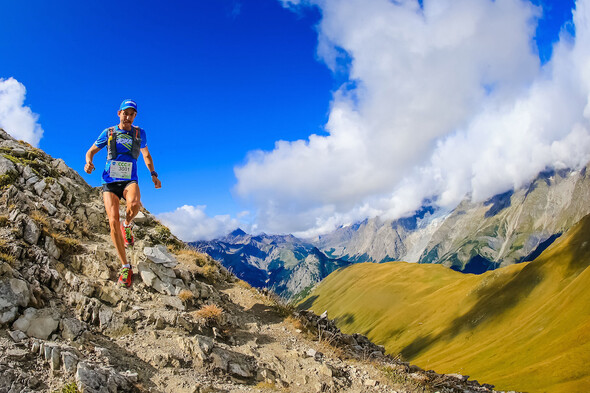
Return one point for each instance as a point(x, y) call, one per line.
point(128, 104)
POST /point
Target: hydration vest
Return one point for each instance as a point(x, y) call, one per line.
point(112, 143)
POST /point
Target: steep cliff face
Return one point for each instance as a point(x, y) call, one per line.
point(377, 240)
point(509, 228)
point(186, 324)
point(512, 227)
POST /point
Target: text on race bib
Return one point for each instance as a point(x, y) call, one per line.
point(121, 169)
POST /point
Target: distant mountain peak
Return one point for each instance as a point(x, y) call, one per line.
point(237, 232)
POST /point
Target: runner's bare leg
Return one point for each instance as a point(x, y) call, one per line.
point(111, 205)
point(132, 196)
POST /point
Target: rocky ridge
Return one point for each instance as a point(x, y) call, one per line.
point(185, 325)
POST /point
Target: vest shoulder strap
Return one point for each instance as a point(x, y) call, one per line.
point(136, 144)
point(112, 143)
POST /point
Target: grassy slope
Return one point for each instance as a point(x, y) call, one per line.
point(524, 327)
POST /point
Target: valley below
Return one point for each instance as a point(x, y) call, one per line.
point(522, 327)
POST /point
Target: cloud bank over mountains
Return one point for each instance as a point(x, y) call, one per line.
point(192, 223)
point(15, 117)
point(442, 101)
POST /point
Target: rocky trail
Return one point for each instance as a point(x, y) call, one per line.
point(185, 325)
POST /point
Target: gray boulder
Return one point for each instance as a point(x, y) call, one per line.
point(14, 293)
point(37, 323)
point(6, 166)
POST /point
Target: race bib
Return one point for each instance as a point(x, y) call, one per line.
point(121, 169)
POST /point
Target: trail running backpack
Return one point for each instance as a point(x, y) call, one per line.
point(112, 144)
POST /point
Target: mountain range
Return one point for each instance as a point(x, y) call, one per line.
point(287, 265)
point(511, 227)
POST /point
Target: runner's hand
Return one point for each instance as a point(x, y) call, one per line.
point(89, 167)
point(157, 182)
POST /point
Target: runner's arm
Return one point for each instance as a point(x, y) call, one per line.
point(89, 167)
point(149, 162)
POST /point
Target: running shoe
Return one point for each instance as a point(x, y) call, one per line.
point(127, 234)
point(125, 276)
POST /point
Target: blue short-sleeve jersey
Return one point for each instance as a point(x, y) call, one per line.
point(124, 143)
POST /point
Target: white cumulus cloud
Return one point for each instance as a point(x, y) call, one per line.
point(442, 101)
point(16, 118)
point(191, 223)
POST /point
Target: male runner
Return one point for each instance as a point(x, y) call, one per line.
point(119, 178)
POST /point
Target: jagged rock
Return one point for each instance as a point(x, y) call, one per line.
point(71, 328)
point(55, 358)
point(90, 380)
point(131, 376)
point(174, 301)
point(109, 295)
point(54, 192)
point(159, 254)
point(185, 324)
point(17, 354)
point(60, 165)
point(14, 293)
point(347, 339)
point(9, 381)
point(147, 275)
point(160, 278)
point(198, 347)
point(39, 187)
point(141, 218)
point(17, 336)
point(203, 290)
point(69, 362)
point(51, 247)
point(105, 315)
point(49, 208)
point(47, 350)
point(6, 166)
point(160, 324)
point(94, 379)
point(324, 369)
point(31, 231)
point(94, 266)
point(164, 287)
point(236, 364)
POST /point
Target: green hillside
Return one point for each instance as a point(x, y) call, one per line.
point(524, 327)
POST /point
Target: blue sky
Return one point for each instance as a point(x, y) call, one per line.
point(220, 82)
point(213, 80)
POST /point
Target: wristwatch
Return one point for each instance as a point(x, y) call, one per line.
point(154, 173)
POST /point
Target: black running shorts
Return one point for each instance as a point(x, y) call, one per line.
point(117, 187)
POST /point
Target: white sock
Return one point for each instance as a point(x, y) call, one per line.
point(128, 266)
